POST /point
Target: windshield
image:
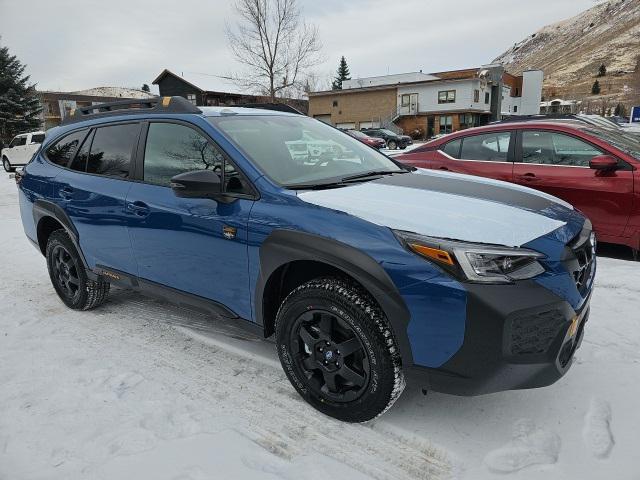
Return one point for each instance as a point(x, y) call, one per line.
point(357, 134)
point(388, 132)
point(621, 141)
point(297, 150)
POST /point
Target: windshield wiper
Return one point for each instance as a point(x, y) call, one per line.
point(315, 186)
point(373, 173)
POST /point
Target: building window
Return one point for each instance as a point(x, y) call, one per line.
point(446, 123)
point(517, 92)
point(476, 96)
point(192, 98)
point(468, 120)
point(447, 96)
point(515, 109)
point(486, 98)
point(405, 100)
point(335, 103)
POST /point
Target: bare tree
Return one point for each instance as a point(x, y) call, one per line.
point(274, 43)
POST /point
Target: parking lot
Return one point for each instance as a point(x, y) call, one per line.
point(140, 388)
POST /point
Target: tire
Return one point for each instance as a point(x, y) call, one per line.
point(403, 147)
point(7, 165)
point(318, 318)
point(69, 277)
point(392, 145)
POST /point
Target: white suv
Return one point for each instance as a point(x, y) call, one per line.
point(21, 149)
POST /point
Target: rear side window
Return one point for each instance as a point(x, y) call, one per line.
point(452, 148)
point(64, 149)
point(37, 138)
point(112, 149)
point(488, 147)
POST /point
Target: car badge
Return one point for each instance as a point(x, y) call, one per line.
point(229, 232)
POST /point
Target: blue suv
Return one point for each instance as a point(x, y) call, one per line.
point(365, 271)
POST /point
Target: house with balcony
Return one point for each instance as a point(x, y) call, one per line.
point(424, 105)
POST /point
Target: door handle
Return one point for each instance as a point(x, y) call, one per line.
point(66, 193)
point(528, 177)
point(140, 209)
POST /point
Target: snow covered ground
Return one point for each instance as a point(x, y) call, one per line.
point(140, 389)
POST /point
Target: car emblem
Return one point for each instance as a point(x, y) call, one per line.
point(229, 232)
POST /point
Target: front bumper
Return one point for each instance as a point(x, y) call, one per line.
point(516, 336)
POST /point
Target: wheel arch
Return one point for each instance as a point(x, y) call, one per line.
point(290, 258)
point(49, 217)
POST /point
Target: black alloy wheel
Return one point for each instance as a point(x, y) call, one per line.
point(330, 355)
point(65, 272)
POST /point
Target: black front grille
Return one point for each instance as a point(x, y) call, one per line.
point(533, 334)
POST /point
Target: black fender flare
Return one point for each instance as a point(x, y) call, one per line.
point(285, 246)
point(44, 208)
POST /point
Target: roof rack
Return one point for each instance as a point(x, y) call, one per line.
point(156, 105)
point(278, 107)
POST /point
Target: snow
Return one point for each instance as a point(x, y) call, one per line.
point(141, 389)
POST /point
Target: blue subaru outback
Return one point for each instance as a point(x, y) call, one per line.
point(365, 271)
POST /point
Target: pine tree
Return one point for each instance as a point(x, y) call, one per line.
point(602, 71)
point(595, 89)
point(145, 88)
point(19, 104)
point(343, 74)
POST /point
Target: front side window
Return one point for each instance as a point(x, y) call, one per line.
point(297, 150)
point(550, 148)
point(492, 147)
point(173, 149)
point(111, 150)
point(18, 142)
point(447, 96)
point(64, 149)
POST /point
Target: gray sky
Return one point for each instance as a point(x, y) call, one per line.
point(74, 45)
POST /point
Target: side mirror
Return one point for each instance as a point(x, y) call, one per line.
point(197, 184)
point(603, 162)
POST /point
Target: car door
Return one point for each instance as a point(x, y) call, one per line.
point(485, 155)
point(196, 245)
point(16, 151)
point(92, 191)
point(558, 163)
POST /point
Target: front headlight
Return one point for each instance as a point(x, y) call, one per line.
point(475, 262)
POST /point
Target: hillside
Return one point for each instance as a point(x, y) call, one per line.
point(571, 51)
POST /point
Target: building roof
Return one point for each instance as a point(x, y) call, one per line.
point(167, 72)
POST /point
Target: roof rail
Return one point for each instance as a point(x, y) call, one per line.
point(278, 107)
point(156, 105)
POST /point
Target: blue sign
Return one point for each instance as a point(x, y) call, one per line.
point(635, 114)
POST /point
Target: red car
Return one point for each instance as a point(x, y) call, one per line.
point(595, 170)
point(366, 139)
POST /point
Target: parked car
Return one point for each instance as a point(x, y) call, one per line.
point(20, 150)
point(364, 270)
point(594, 169)
point(366, 139)
point(392, 139)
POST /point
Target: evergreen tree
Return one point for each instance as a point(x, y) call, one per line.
point(343, 74)
point(145, 88)
point(19, 104)
point(595, 89)
point(602, 71)
point(620, 111)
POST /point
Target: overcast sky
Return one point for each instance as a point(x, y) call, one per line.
point(74, 45)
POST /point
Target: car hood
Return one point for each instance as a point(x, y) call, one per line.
point(454, 206)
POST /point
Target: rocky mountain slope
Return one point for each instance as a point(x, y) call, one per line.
point(571, 51)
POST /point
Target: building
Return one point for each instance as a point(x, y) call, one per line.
point(57, 105)
point(171, 84)
point(559, 106)
point(425, 105)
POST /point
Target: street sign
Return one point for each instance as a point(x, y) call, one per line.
point(635, 114)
